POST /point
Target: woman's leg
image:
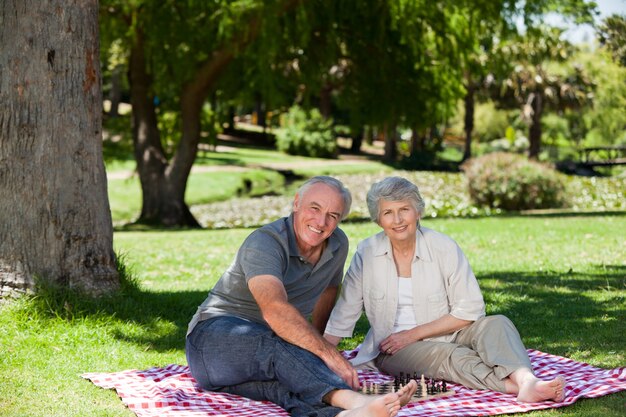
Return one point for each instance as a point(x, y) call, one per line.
point(498, 343)
point(421, 358)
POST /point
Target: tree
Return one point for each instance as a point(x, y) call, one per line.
point(612, 35)
point(55, 223)
point(533, 86)
point(178, 52)
point(494, 23)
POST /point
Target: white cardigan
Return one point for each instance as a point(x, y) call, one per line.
point(443, 282)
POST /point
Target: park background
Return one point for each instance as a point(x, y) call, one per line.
point(213, 113)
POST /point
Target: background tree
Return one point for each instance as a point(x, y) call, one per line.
point(612, 35)
point(533, 86)
point(178, 52)
point(490, 26)
point(55, 223)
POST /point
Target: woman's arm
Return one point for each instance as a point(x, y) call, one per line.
point(444, 325)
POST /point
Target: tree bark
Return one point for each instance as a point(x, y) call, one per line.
point(418, 141)
point(469, 121)
point(534, 136)
point(55, 221)
point(325, 105)
point(391, 150)
point(163, 192)
point(357, 140)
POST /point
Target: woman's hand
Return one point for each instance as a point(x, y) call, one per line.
point(447, 324)
point(396, 341)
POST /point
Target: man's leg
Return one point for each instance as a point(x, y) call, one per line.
point(276, 392)
point(279, 372)
point(228, 352)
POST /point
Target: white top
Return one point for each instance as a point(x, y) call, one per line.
point(405, 314)
point(443, 283)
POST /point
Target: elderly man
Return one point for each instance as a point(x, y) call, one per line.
point(252, 336)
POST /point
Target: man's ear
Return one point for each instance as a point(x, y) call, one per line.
point(296, 202)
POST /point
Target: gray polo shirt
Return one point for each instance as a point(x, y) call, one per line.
point(272, 250)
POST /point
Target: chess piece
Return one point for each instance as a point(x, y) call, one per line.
point(423, 387)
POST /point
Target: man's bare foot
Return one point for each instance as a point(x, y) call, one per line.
point(536, 390)
point(406, 392)
point(381, 406)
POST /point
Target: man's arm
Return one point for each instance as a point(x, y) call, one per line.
point(287, 322)
point(322, 309)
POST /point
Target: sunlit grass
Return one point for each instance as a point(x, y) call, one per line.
point(560, 279)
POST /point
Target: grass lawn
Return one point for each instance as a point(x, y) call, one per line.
point(561, 279)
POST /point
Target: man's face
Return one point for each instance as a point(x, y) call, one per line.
point(316, 215)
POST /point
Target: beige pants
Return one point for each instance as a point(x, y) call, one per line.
point(481, 356)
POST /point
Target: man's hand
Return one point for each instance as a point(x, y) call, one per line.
point(343, 368)
point(287, 322)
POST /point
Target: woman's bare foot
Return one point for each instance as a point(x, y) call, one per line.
point(380, 406)
point(536, 390)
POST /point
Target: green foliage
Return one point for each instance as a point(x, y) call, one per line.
point(612, 35)
point(512, 182)
point(170, 128)
point(606, 121)
point(490, 123)
point(306, 133)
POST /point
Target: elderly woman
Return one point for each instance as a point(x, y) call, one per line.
point(425, 308)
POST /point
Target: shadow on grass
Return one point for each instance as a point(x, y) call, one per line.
point(555, 312)
point(562, 312)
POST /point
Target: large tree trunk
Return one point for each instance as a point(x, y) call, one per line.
point(162, 186)
point(534, 136)
point(391, 150)
point(326, 101)
point(469, 121)
point(55, 221)
point(418, 140)
point(357, 140)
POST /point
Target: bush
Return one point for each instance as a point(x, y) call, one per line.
point(306, 133)
point(512, 182)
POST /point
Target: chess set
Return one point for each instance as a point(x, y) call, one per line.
point(425, 390)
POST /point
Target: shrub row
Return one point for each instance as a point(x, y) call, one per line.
point(446, 195)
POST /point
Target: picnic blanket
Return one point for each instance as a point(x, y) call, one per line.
point(171, 391)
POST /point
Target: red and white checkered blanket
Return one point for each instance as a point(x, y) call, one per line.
point(171, 391)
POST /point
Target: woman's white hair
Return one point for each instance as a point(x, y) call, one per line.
point(393, 189)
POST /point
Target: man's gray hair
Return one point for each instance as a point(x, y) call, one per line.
point(393, 189)
point(331, 182)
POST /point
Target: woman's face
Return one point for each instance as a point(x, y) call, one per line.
point(398, 219)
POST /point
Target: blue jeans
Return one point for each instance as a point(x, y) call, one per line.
point(237, 356)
